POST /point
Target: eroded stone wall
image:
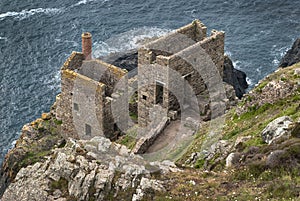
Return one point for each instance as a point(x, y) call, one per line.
point(171, 60)
point(93, 99)
point(102, 72)
point(81, 105)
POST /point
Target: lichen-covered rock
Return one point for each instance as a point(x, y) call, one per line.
point(72, 174)
point(216, 153)
point(277, 128)
point(35, 142)
point(232, 159)
point(147, 185)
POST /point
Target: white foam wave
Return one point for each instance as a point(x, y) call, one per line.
point(127, 41)
point(75, 44)
point(236, 63)
point(278, 54)
point(27, 13)
point(3, 38)
point(249, 81)
point(228, 53)
point(54, 82)
point(82, 2)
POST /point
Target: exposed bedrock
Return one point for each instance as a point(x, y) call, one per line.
point(292, 56)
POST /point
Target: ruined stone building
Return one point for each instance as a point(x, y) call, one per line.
point(166, 56)
point(87, 95)
point(94, 94)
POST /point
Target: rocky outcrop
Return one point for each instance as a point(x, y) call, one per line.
point(95, 169)
point(127, 60)
point(234, 77)
point(276, 129)
point(275, 87)
point(36, 141)
point(292, 56)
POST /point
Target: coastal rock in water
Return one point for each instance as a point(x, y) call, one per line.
point(234, 77)
point(292, 56)
point(277, 128)
point(127, 60)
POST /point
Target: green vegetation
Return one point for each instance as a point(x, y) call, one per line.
point(33, 148)
point(133, 116)
point(61, 184)
point(31, 158)
point(129, 139)
point(254, 179)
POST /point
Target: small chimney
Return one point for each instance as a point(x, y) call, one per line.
point(87, 45)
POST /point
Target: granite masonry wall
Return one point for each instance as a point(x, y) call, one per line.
point(159, 60)
point(90, 89)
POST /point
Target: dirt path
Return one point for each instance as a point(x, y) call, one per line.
point(165, 137)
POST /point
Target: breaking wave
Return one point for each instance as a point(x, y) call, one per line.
point(27, 13)
point(278, 53)
point(126, 41)
point(82, 2)
point(3, 38)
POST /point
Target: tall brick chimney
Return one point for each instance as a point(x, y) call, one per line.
point(87, 45)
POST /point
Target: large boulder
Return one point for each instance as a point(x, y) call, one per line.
point(234, 77)
point(276, 129)
point(292, 56)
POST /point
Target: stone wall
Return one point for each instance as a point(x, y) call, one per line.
point(74, 61)
point(90, 89)
point(195, 31)
point(150, 76)
point(170, 60)
point(81, 105)
point(102, 72)
point(214, 47)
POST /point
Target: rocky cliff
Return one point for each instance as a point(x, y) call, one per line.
point(292, 56)
point(235, 78)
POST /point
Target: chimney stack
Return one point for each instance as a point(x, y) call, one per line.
point(87, 45)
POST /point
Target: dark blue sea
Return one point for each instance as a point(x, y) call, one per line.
point(36, 36)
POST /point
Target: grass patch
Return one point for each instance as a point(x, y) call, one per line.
point(129, 139)
point(31, 158)
point(133, 116)
point(57, 122)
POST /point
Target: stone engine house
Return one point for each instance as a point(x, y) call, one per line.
point(94, 94)
point(164, 55)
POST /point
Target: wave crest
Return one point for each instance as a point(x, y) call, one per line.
point(126, 41)
point(27, 13)
point(87, 1)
